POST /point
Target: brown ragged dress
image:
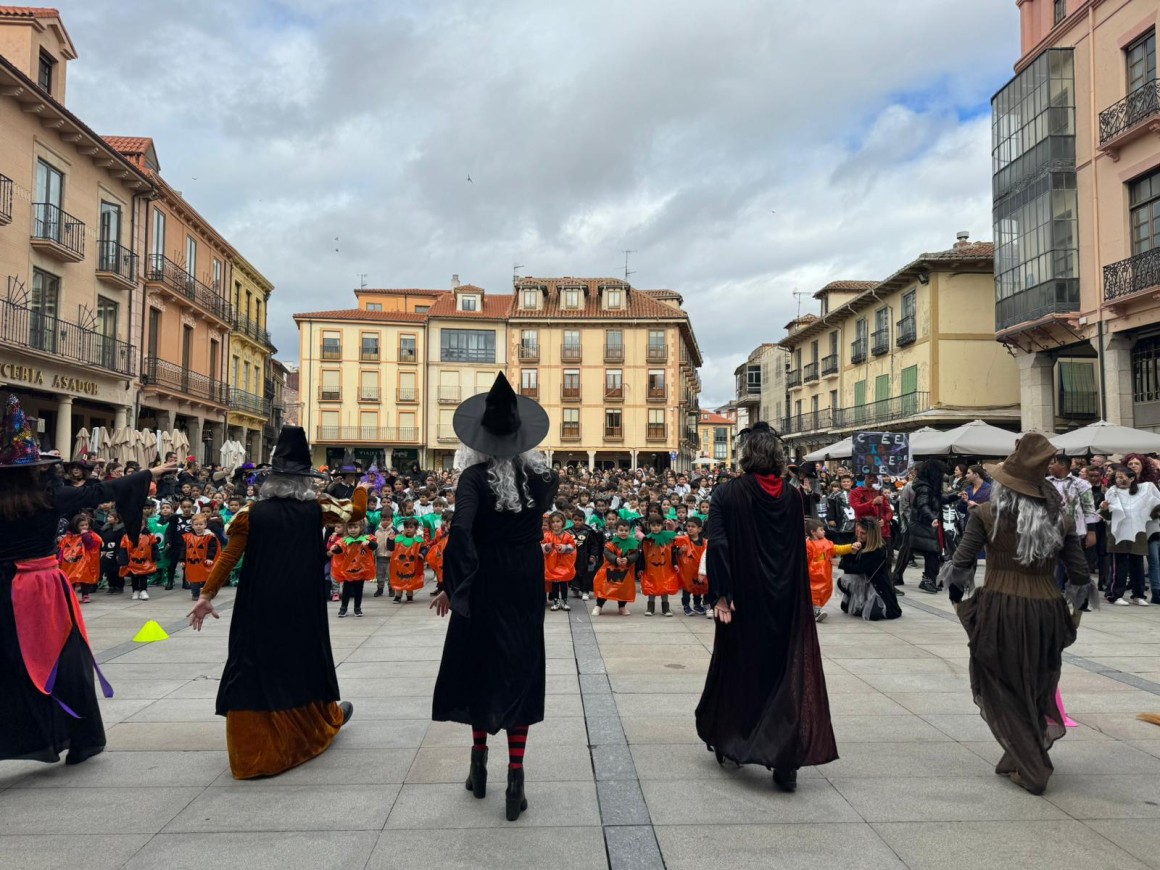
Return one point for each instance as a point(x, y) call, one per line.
point(279, 691)
point(1018, 625)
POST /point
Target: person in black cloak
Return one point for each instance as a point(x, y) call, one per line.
point(279, 691)
point(765, 696)
point(48, 699)
point(492, 673)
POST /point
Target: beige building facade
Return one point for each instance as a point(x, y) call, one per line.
point(71, 222)
point(914, 350)
point(1076, 162)
point(249, 374)
point(761, 387)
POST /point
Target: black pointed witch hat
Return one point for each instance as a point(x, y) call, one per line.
point(292, 453)
point(500, 423)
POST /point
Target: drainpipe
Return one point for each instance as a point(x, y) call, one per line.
point(1096, 228)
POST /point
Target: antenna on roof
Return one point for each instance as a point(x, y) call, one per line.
point(516, 271)
point(362, 280)
point(798, 294)
point(626, 269)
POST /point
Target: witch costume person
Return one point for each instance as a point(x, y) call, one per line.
point(279, 692)
point(492, 673)
point(48, 699)
point(1018, 623)
point(765, 698)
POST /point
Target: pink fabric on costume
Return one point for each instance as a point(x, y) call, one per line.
point(1067, 720)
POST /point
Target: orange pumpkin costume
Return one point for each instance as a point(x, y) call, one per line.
point(356, 561)
point(819, 556)
point(197, 552)
point(612, 582)
point(689, 564)
point(660, 575)
point(406, 564)
point(435, 553)
point(80, 558)
point(559, 567)
point(139, 561)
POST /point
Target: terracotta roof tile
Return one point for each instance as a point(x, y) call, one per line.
point(129, 144)
point(968, 250)
point(30, 11)
point(494, 307)
point(710, 417)
point(639, 303)
point(396, 291)
point(839, 286)
point(360, 314)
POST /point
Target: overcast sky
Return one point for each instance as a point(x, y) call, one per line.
point(743, 149)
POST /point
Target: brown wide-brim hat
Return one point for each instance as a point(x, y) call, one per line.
point(1025, 470)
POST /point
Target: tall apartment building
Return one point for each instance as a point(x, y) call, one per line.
point(913, 350)
point(716, 436)
point(614, 367)
point(251, 388)
point(71, 220)
point(1076, 163)
point(761, 387)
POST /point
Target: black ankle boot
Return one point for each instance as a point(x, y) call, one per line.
point(786, 780)
point(928, 586)
point(477, 773)
point(516, 802)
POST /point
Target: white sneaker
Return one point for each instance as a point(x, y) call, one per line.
point(820, 616)
point(1142, 602)
point(144, 595)
point(136, 595)
point(555, 606)
point(1121, 602)
point(595, 611)
point(624, 611)
point(584, 597)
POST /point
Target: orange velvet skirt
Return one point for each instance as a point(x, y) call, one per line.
point(264, 743)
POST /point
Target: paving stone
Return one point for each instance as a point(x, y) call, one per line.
point(337, 766)
point(1106, 797)
point(544, 763)
point(167, 736)
point(132, 769)
point(599, 704)
point(88, 850)
point(605, 729)
point(46, 811)
point(906, 760)
point(286, 808)
point(513, 847)
point(286, 850)
point(633, 848)
point(942, 799)
point(595, 684)
point(821, 846)
point(621, 802)
point(447, 806)
point(746, 798)
point(1140, 841)
point(382, 734)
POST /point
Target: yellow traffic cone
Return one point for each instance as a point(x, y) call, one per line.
point(150, 632)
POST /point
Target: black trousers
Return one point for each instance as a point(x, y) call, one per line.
point(140, 581)
point(352, 589)
point(1127, 571)
point(559, 591)
point(901, 560)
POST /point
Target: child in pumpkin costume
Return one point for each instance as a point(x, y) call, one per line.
point(690, 547)
point(559, 548)
point(139, 563)
point(79, 556)
point(435, 527)
point(616, 581)
point(820, 553)
point(353, 564)
point(196, 550)
point(659, 576)
point(407, 552)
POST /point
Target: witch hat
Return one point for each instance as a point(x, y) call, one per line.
point(349, 464)
point(292, 453)
point(499, 423)
point(18, 447)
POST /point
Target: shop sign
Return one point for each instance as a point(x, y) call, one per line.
point(36, 377)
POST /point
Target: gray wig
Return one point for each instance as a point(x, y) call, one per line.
point(509, 487)
point(292, 486)
point(1038, 533)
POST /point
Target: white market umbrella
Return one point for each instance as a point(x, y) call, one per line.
point(703, 460)
point(971, 439)
point(1104, 437)
point(843, 449)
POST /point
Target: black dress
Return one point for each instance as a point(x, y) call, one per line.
point(492, 674)
point(33, 725)
point(866, 588)
point(765, 695)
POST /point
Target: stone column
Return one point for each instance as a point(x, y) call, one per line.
point(635, 461)
point(1117, 380)
point(193, 433)
point(1037, 391)
point(387, 451)
point(591, 460)
point(120, 417)
point(63, 436)
point(164, 421)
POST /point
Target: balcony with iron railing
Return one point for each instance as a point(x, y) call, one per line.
point(330, 353)
point(810, 372)
point(331, 393)
point(614, 353)
point(570, 431)
point(448, 395)
point(613, 433)
point(116, 264)
point(809, 422)
point(407, 354)
point(446, 433)
point(692, 438)
point(364, 434)
point(889, 410)
point(858, 351)
point(24, 327)
point(657, 353)
point(252, 329)
point(657, 394)
point(368, 393)
point(529, 351)
point(248, 403)
point(570, 394)
point(880, 342)
point(1136, 114)
point(793, 378)
point(1131, 276)
point(571, 353)
point(178, 379)
point(166, 273)
point(57, 233)
point(830, 365)
point(613, 394)
point(907, 331)
point(655, 432)
point(530, 391)
point(407, 395)
point(5, 200)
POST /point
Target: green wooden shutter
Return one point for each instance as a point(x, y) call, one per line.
point(909, 391)
point(881, 388)
point(859, 402)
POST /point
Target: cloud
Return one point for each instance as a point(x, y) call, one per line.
point(742, 149)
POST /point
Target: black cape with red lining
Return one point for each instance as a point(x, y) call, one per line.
point(765, 695)
point(493, 671)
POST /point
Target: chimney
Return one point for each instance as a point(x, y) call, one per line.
point(454, 281)
point(963, 237)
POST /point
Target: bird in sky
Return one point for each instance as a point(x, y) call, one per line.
point(469, 181)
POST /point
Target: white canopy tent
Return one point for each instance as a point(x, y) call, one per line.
point(971, 439)
point(1102, 437)
point(844, 449)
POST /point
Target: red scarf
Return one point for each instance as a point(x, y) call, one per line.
point(771, 483)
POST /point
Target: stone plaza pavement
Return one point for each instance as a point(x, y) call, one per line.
point(616, 777)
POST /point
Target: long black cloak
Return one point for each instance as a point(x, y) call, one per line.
point(492, 673)
point(765, 695)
